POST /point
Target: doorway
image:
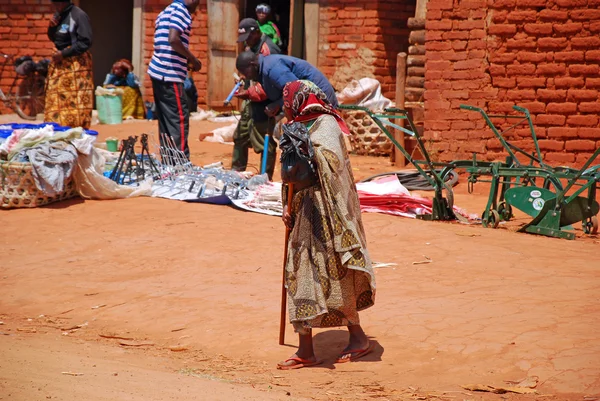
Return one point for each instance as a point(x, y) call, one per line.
point(280, 15)
point(112, 33)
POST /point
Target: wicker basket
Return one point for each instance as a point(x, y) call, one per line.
point(18, 189)
point(366, 137)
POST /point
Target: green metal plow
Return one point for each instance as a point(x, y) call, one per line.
point(555, 197)
point(552, 196)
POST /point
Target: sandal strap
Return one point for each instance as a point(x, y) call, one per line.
point(297, 359)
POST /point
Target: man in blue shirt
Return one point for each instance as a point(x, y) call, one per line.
point(168, 70)
point(254, 125)
point(274, 71)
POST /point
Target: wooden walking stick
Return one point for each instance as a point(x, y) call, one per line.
point(290, 195)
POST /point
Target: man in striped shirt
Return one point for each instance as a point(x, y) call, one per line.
point(168, 69)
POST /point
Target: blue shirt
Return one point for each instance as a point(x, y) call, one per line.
point(167, 64)
point(130, 80)
point(277, 70)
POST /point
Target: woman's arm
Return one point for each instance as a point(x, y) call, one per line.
point(132, 80)
point(52, 33)
point(52, 26)
point(110, 79)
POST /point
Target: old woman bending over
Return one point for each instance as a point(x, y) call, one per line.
point(329, 277)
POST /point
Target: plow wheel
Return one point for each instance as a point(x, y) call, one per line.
point(590, 225)
point(493, 219)
point(505, 211)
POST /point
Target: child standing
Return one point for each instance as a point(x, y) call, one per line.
point(263, 12)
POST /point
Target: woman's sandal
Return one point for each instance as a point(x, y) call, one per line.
point(298, 363)
point(359, 354)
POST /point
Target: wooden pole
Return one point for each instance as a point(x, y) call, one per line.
point(290, 195)
point(421, 9)
point(399, 159)
point(311, 31)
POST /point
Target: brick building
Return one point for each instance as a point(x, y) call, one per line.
point(345, 39)
point(539, 54)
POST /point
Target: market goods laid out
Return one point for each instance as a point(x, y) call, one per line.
point(41, 164)
point(46, 163)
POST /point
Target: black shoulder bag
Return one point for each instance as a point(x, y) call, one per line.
point(297, 156)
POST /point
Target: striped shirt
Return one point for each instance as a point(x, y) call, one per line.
point(167, 64)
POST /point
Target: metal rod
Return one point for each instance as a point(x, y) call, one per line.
point(265, 155)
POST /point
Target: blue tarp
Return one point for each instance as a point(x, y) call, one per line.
point(5, 133)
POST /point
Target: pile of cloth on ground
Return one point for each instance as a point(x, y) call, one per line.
point(387, 195)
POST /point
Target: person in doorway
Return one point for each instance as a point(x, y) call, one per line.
point(328, 272)
point(254, 124)
point(268, 27)
point(275, 71)
point(168, 70)
point(122, 76)
point(255, 40)
point(70, 85)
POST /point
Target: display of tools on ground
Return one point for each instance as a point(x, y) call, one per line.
point(132, 168)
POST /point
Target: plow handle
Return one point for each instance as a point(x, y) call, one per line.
point(395, 110)
point(521, 109)
point(469, 107)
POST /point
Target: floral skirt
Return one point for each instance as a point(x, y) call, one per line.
point(70, 91)
point(323, 290)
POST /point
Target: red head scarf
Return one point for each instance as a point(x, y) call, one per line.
point(124, 66)
point(307, 102)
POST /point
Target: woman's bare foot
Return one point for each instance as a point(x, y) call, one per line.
point(304, 357)
point(358, 345)
point(296, 362)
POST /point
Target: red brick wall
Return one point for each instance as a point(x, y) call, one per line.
point(22, 32)
point(542, 55)
point(362, 38)
point(357, 39)
point(198, 45)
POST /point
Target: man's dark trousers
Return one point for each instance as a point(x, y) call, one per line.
point(172, 112)
point(251, 133)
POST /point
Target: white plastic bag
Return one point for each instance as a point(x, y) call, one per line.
point(92, 184)
point(222, 135)
point(365, 92)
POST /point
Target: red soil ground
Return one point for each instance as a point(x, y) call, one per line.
point(194, 290)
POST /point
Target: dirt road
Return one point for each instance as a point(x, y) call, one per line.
point(181, 301)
